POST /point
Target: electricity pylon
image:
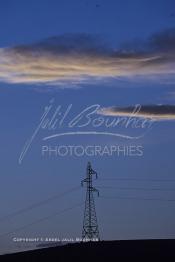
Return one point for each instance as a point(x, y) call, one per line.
point(90, 226)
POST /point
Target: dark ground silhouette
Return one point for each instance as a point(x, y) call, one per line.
point(101, 251)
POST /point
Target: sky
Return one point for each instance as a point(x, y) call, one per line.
point(68, 56)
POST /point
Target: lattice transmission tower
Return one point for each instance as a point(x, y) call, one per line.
point(90, 226)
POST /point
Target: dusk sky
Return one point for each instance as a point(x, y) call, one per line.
point(111, 53)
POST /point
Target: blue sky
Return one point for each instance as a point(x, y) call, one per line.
point(117, 23)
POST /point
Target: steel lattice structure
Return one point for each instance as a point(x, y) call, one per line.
point(90, 226)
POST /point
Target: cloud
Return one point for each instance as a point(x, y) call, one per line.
point(76, 58)
point(157, 112)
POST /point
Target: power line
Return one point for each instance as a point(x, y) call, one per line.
point(138, 198)
point(137, 179)
point(137, 188)
point(42, 219)
point(37, 204)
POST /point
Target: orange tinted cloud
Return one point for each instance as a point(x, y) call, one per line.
point(73, 58)
point(157, 112)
